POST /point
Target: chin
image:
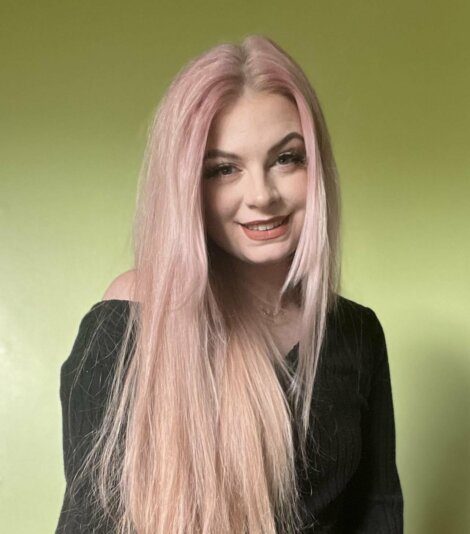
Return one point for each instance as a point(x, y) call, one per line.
point(266, 259)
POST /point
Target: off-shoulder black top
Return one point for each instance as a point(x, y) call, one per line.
point(353, 485)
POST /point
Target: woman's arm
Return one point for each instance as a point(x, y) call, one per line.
point(83, 393)
point(374, 500)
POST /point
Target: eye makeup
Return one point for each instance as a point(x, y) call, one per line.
point(295, 156)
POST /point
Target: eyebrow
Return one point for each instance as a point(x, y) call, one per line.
point(215, 152)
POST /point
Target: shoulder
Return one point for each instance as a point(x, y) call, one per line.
point(356, 324)
point(350, 311)
point(122, 287)
point(99, 334)
point(101, 329)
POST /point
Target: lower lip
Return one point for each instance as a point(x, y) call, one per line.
point(263, 235)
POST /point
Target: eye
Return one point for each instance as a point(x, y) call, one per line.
point(218, 170)
point(291, 157)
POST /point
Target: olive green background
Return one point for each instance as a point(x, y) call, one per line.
point(79, 84)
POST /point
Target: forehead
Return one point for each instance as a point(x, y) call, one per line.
point(255, 118)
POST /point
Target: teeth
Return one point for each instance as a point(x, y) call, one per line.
point(264, 226)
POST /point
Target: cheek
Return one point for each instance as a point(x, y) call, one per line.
point(214, 216)
point(210, 205)
point(218, 206)
point(298, 190)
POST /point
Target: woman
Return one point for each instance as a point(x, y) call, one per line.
point(223, 385)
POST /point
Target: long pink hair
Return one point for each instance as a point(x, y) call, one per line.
point(204, 423)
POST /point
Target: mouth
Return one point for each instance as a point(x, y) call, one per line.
point(274, 221)
point(267, 233)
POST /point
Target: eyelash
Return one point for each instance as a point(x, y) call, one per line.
point(296, 158)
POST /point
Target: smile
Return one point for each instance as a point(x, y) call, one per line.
point(263, 232)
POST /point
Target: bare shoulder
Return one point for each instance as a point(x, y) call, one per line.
point(122, 287)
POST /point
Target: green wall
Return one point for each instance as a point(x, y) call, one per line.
point(80, 81)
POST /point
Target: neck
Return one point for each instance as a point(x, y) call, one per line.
point(264, 282)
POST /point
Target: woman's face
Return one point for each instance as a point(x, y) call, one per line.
point(254, 170)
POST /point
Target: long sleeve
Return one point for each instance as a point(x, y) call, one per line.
point(83, 381)
point(374, 499)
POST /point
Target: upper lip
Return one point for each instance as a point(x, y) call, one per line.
point(267, 221)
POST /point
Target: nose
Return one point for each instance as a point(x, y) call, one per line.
point(260, 190)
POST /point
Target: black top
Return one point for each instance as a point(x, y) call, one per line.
point(353, 485)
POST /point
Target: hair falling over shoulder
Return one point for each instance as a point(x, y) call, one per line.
point(198, 434)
